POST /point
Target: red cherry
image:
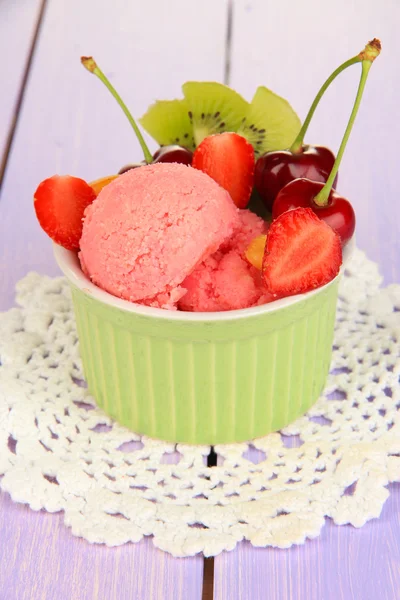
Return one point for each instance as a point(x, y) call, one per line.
point(326, 203)
point(275, 169)
point(170, 154)
point(130, 166)
point(338, 212)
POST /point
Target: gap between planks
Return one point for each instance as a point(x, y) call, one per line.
point(208, 571)
point(208, 568)
point(21, 93)
point(208, 579)
point(228, 43)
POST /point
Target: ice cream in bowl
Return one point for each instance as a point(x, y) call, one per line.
point(200, 321)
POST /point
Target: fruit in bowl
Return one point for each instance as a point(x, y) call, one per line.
point(194, 314)
point(277, 168)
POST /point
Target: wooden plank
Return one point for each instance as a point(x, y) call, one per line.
point(39, 558)
point(294, 46)
point(70, 124)
point(342, 564)
point(18, 24)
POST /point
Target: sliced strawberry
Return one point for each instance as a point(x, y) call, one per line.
point(302, 253)
point(229, 159)
point(60, 202)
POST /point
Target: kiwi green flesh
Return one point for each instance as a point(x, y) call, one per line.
point(213, 108)
point(270, 122)
point(168, 122)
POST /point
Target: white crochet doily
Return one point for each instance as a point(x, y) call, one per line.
point(59, 452)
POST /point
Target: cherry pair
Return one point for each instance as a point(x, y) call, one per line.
point(304, 176)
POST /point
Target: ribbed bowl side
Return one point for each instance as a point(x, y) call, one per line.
point(206, 383)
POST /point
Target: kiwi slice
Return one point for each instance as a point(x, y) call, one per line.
point(168, 122)
point(270, 122)
point(213, 108)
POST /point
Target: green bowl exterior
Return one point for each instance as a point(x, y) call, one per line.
point(206, 382)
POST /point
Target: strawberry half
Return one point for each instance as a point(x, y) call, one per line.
point(229, 159)
point(60, 202)
point(302, 253)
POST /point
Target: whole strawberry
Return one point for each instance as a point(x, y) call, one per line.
point(228, 159)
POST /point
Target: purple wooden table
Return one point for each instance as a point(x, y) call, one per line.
point(55, 118)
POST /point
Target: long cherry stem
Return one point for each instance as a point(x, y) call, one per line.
point(371, 51)
point(297, 146)
point(90, 64)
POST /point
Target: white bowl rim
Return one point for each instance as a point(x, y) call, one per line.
point(69, 264)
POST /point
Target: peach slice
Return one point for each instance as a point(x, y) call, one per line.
point(255, 251)
point(99, 184)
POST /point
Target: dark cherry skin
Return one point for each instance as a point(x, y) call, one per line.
point(275, 169)
point(338, 213)
point(126, 168)
point(168, 154)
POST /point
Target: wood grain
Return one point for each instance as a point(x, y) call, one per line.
point(342, 564)
point(41, 560)
point(70, 124)
point(18, 24)
point(294, 46)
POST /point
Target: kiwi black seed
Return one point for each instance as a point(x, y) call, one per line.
point(169, 122)
point(268, 123)
point(213, 108)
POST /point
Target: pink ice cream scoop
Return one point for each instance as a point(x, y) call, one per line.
point(225, 280)
point(149, 228)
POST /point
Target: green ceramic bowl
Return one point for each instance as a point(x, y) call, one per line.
point(202, 378)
